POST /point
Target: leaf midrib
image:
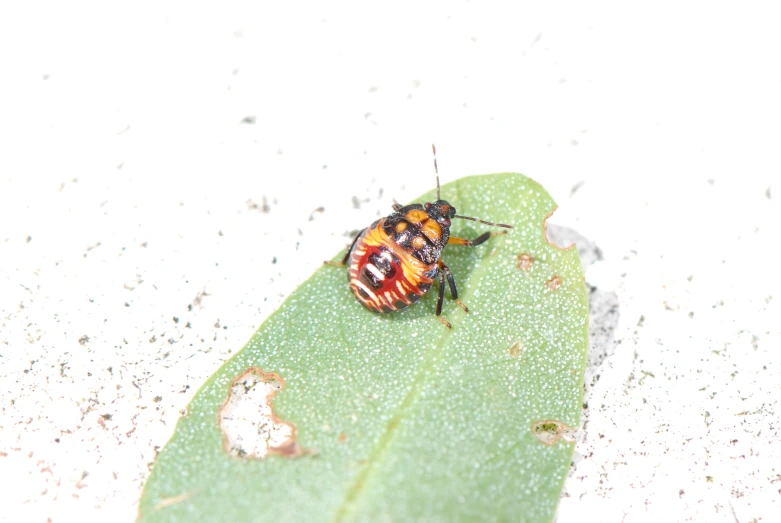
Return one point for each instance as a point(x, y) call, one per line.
point(391, 428)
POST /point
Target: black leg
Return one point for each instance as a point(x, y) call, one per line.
point(477, 241)
point(442, 320)
point(441, 293)
point(347, 255)
point(451, 281)
point(397, 206)
point(355, 240)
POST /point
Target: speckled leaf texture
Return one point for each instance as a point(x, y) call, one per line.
point(396, 417)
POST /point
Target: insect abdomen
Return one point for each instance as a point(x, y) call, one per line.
point(383, 276)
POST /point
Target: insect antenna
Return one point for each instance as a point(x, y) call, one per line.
point(483, 221)
point(436, 169)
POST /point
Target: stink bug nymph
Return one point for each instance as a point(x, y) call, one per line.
point(392, 263)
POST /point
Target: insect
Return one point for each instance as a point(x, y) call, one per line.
point(393, 263)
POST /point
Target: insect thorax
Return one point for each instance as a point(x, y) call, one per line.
point(412, 229)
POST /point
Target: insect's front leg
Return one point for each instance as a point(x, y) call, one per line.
point(477, 241)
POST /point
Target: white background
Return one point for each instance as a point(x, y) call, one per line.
point(163, 166)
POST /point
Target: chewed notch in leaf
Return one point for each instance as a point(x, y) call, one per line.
point(248, 423)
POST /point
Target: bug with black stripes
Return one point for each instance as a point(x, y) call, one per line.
point(393, 263)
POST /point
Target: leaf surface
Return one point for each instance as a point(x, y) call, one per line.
point(393, 415)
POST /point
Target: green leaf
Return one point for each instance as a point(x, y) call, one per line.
point(394, 416)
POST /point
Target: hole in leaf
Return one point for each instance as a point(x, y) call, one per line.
point(249, 426)
point(550, 431)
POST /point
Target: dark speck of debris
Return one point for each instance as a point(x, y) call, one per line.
point(98, 244)
point(30, 238)
point(575, 188)
point(83, 340)
point(176, 320)
point(157, 399)
point(319, 210)
point(264, 207)
point(248, 120)
point(274, 260)
point(106, 416)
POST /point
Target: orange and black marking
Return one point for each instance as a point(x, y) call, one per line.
point(394, 262)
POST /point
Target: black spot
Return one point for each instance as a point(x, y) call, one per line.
point(368, 278)
point(385, 308)
point(403, 238)
point(363, 293)
point(424, 287)
point(389, 226)
point(413, 297)
point(383, 264)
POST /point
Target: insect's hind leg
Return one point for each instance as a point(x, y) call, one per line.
point(347, 254)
